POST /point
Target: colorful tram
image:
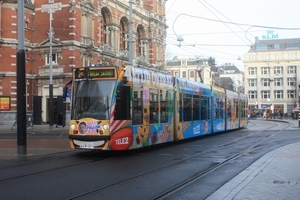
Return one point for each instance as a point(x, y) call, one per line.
point(122, 108)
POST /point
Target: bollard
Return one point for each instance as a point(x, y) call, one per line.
point(299, 119)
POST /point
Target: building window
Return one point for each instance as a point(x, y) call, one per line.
point(276, 46)
point(252, 70)
point(184, 74)
point(291, 94)
point(191, 74)
point(292, 56)
point(278, 82)
point(261, 47)
point(252, 57)
point(264, 57)
point(252, 94)
point(265, 94)
point(265, 70)
point(291, 81)
point(54, 59)
point(265, 82)
point(291, 46)
point(252, 82)
point(278, 70)
point(278, 94)
point(291, 70)
point(277, 57)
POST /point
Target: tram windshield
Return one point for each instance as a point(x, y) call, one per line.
point(92, 99)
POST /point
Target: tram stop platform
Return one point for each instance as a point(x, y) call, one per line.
point(276, 175)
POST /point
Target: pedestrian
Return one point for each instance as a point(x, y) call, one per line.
point(59, 120)
point(248, 118)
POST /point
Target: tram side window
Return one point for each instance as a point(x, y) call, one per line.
point(204, 108)
point(236, 106)
point(243, 109)
point(187, 101)
point(196, 101)
point(180, 107)
point(137, 107)
point(154, 115)
point(229, 102)
point(219, 108)
point(164, 106)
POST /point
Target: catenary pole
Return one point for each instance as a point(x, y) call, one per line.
point(21, 84)
point(51, 8)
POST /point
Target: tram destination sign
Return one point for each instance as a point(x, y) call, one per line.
point(87, 73)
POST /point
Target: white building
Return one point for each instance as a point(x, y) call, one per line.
point(193, 69)
point(272, 68)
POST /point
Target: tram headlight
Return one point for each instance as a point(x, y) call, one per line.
point(105, 127)
point(72, 126)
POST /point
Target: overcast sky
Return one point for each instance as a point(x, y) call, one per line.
point(206, 33)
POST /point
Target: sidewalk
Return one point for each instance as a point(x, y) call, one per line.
point(295, 122)
point(34, 147)
point(276, 175)
point(43, 127)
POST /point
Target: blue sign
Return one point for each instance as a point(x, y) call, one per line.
point(269, 35)
point(263, 105)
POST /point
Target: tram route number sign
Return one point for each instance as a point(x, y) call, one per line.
point(95, 73)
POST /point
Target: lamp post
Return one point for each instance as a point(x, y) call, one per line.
point(270, 99)
point(50, 8)
point(130, 34)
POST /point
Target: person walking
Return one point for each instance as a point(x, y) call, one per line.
point(59, 120)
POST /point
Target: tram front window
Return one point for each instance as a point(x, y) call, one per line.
point(92, 99)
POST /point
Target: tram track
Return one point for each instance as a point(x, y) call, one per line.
point(253, 147)
point(196, 177)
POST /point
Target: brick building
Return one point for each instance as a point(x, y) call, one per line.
point(84, 32)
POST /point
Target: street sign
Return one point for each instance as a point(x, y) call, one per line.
point(51, 7)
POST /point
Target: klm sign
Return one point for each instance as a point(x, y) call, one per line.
point(269, 36)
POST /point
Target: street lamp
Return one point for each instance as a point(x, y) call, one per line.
point(270, 99)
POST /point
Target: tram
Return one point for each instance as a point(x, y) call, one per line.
point(123, 108)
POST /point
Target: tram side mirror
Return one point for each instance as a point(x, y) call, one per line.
point(122, 84)
point(66, 92)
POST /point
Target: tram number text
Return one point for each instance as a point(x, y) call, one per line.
point(87, 145)
point(121, 141)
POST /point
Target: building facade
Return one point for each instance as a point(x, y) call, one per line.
point(191, 69)
point(84, 32)
point(204, 70)
point(236, 82)
point(272, 71)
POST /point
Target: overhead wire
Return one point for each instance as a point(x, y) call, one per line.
point(220, 19)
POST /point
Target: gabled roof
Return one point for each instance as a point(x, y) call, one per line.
point(226, 82)
point(47, 43)
point(226, 67)
point(270, 45)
